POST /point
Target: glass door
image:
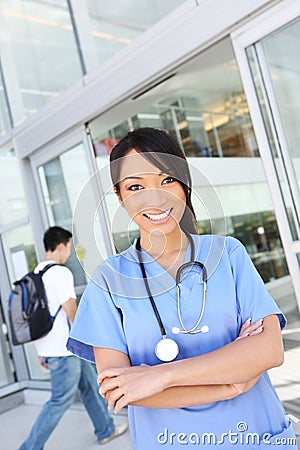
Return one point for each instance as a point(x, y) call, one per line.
point(275, 68)
point(267, 52)
point(268, 57)
point(68, 196)
point(69, 191)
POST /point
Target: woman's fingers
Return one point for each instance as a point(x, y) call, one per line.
point(120, 404)
point(108, 385)
point(257, 330)
point(252, 329)
point(113, 398)
point(125, 385)
point(109, 373)
point(245, 326)
point(249, 329)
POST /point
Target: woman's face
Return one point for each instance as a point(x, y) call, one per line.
point(154, 200)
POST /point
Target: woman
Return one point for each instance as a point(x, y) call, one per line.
point(173, 354)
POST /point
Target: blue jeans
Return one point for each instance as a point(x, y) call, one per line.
point(67, 374)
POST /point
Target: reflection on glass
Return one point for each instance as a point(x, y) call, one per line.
point(278, 56)
point(12, 196)
point(64, 185)
point(200, 133)
point(61, 179)
point(7, 372)
point(282, 52)
point(41, 57)
point(204, 106)
point(259, 233)
point(116, 24)
point(21, 258)
point(4, 114)
point(36, 371)
point(19, 251)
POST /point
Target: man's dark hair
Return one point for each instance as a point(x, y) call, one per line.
point(55, 236)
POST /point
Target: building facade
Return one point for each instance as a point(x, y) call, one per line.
point(75, 76)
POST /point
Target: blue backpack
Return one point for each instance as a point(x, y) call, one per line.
point(28, 310)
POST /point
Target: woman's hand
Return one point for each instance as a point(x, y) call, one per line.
point(250, 330)
point(124, 385)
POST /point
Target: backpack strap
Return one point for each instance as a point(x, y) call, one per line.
point(41, 272)
point(47, 267)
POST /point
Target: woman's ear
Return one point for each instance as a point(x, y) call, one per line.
point(118, 195)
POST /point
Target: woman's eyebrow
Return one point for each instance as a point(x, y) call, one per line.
point(133, 177)
point(136, 177)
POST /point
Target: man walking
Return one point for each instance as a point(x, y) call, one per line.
point(67, 372)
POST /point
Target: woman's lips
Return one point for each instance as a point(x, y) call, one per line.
point(159, 218)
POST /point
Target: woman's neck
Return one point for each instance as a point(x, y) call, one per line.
point(169, 251)
point(159, 245)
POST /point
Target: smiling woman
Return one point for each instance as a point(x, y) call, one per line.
point(143, 307)
point(157, 156)
point(154, 200)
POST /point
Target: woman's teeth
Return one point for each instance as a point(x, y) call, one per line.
point(159, 216)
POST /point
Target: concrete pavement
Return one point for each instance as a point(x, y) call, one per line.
point(74, 431)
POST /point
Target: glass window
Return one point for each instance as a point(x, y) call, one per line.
point(204, 106)
point(36, 371)
point(276, 71)
point(12, 196)
point(65, 188)
point(116, 24)
point(20, 258)
point(281, 50)
point(41, 57)
point(4, 114)
point(19, 251)
point(7, 372)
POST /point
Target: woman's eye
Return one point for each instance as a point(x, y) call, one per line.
point(135, 187)
point(168, 180)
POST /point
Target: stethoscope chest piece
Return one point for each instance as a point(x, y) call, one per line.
point(166, 350)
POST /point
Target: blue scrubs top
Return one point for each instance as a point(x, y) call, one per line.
point(115, 312)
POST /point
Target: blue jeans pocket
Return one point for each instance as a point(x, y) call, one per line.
point(53, 362)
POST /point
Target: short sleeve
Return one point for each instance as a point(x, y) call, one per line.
point(253, 298)
point(64, 284)
point(59, 285)
point(98, 323)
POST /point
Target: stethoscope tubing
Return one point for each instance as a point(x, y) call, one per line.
point(179, 272)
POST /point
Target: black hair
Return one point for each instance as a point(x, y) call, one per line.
point(55, 236)
point(157, 146)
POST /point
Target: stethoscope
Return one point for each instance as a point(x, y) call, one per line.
point(167, 349)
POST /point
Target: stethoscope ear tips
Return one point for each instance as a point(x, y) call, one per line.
point(204, 329)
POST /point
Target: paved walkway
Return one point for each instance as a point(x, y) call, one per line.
point(74, 431)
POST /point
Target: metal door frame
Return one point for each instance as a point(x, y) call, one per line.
point(251, 33)
point(69, 140)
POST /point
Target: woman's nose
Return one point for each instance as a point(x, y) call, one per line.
point(155, 197)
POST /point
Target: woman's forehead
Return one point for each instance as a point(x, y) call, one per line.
point(135, 164)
